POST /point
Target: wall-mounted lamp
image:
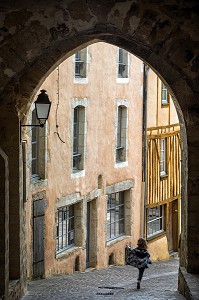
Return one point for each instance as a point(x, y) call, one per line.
point(42, 107)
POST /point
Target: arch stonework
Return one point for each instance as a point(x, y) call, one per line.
point(4, 223)
point(37, 36)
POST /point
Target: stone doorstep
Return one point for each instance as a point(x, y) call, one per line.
point(188, 284)
point(173, 255)
point(89, 269)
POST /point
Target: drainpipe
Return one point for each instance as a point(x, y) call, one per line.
point(25, 197)
point(144, 151)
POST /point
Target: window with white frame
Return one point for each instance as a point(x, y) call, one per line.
point(155, 220)
point(78, 138)
point(164, 95)
point(123, 63)
point(115, 215)
point(37, 149)
point(81, 64)
point(162, 157)
point(121, 136)
point(65, 225)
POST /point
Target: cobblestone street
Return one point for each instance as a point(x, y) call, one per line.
point(159, 282)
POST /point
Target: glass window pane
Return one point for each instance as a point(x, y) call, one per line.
point(121, 212)
point(121, 226)
point(155, 220)
point(34, 134)
point(65, 227)
point(112, 230)
point(112, 215)
point(117, 199)
point(34, 167)
point(108, 231)
point(115, 215)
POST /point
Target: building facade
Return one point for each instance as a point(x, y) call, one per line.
point(163, 169)
point(84, 168)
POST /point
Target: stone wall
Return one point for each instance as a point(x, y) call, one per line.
point(36, 37)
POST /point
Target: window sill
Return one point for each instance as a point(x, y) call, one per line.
point(162, 177)
point(81, 80)
point(123, 80)
point(66, 253)
point(156, 236)
point(121, 164)
point(114, 241)
point(164, 105)
point(78, 174)
point(36, 184)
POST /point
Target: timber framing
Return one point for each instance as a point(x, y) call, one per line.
point(161, 190)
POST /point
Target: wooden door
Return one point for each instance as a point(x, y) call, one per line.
point(88, 236)
point(175, 225)
point(38, 237)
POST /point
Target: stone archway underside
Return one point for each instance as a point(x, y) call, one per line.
point(37, 35)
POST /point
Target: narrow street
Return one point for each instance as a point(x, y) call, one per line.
point(159, 282)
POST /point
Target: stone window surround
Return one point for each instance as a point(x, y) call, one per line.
point(87, 60)
point(75, 199)
point(65, 217)
point(84, 103)
point(117, 228)
point(123, 80)
point(125, 186)
point(124, 103)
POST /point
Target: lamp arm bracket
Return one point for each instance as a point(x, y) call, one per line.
point(32, 125)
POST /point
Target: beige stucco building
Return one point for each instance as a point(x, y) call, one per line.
point(85, 200)
point(84, 189)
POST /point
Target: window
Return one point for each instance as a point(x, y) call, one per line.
point(115, 215)
point(81, 64)
point(121, 141)
point(78, 138)
point(165, 95)
point(35, 145)
point(162, 157)
point(123, 63)
point(155, 220)
point(37, 150)
point(65, 235)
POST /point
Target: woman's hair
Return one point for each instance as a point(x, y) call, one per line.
point(142, 243)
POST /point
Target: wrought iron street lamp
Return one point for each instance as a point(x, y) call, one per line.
point(42, 107)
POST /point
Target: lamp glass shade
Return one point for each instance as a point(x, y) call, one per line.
point(42, 106)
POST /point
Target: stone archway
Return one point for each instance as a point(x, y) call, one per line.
point(4, 223)
point(36, 37)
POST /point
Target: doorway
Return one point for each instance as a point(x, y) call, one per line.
point(91, 240)
point(173, 226)
point(38, 237)
point(88, 235)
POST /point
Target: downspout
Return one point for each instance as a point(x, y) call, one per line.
point(144, 151)
point(25, 196)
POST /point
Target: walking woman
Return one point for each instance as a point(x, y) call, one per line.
point(139, 258)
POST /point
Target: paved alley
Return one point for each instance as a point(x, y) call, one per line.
point(159, 282)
